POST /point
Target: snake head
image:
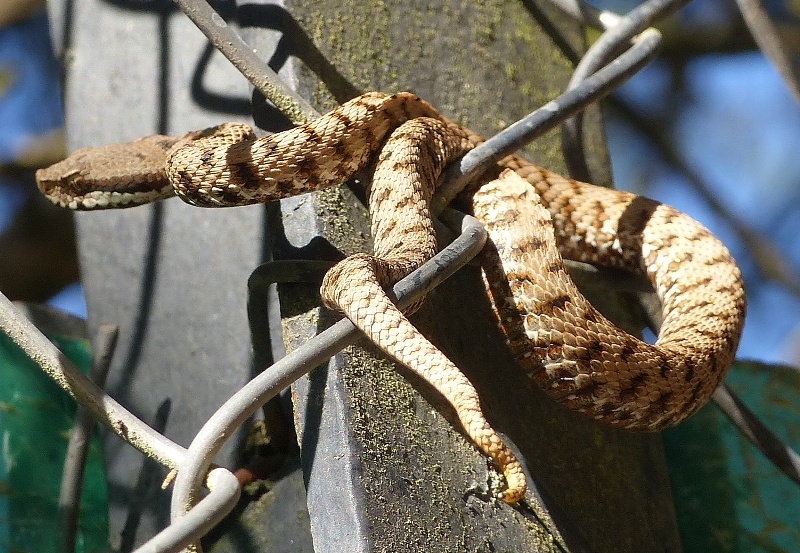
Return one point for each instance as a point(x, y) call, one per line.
point(111, 176)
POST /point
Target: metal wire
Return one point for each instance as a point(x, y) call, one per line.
point(187, 528)
point(79, 438)
point(772, 42)
point(311, 354)
point(256, 70)
point(224, 493)
point(546, 117)
point(102, 407)
point(781, 455)
point(589, 83)
point(623, 30)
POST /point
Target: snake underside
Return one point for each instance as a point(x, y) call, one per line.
point(533, 217)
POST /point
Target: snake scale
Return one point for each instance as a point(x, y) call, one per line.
point(533, 217)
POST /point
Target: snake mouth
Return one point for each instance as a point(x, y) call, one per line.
point(81, 188)
point(76, 194)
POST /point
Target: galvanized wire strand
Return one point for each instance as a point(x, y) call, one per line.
point(79, 438)
point(771, 43)
point(316, 351)
point(224, 493)
point(618, 36)
point(255, 70)
point(781, 455)
point(610, 42)
point(546, 117)
point(223, 485)
point(102, 407)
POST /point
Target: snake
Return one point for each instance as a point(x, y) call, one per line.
point(534, 219)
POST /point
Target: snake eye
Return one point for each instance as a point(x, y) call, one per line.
point(73, 177)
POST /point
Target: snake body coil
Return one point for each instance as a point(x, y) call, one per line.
point(534, 217)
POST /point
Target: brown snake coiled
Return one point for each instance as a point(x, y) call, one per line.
point(558, 338)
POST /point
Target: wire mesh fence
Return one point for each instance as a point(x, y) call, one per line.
point(626, 45)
